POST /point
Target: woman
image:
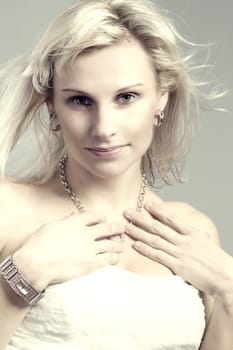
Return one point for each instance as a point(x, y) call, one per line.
point(92, 258)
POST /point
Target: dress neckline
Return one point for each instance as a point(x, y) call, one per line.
point(161, 278)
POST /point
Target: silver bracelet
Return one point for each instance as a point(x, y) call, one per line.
point(18, 283)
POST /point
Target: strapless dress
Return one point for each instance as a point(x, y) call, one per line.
point(114, 309)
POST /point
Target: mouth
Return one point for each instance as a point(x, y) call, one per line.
point(105, 149)
point(105, 152)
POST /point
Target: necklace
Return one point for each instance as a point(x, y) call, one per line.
point(76, 201)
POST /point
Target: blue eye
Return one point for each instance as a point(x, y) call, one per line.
point(128, 97)
point(84, 101)
point(80, 100)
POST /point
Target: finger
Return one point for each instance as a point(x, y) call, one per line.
point(168, 218)
point(152, 240)
point(106, 259)
point(108, 246)
point(156, 255)
point(154, 226)
point(106, 230)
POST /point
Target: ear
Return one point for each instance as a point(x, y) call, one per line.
point(50, 106)
point(162, 102)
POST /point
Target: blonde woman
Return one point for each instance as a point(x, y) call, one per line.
point(91, 257)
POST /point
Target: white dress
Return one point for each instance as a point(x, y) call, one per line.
point(114, 309)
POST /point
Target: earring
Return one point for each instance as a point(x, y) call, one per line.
point(53, 118)
point(158, 119)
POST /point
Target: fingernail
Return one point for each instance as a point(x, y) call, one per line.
point(148, 205)
point(128, 227)
point(122, 237)
point(137, 244)
point(128, 212)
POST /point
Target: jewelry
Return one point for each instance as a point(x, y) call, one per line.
point(18, 283)
point(53, 118)
point(76, 201)
point(159, 118)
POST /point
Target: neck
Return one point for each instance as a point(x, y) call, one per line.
point(108, 194)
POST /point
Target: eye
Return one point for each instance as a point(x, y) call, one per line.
point(127, 98)
point(80, 100)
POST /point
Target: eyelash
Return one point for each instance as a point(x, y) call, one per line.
point(73, 98)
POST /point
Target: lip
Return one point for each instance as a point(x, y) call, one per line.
point(105, 149)
point(106, 152)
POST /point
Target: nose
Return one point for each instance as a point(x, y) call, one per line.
point(103, 123)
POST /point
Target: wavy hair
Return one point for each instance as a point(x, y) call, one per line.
point(26, 84)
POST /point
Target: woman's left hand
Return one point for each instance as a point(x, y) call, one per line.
point(188, 252)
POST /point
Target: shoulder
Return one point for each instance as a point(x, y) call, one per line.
point(25, 198)
point(195, 218)
point(14, 193)
point(190, 215)
point(18, 210)
point(14, 197)
point(8, 208)
point(24, 207)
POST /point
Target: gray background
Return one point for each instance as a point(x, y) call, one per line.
point(210, 167)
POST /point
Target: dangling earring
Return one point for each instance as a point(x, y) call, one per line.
point(158, 119)
point(53, 118)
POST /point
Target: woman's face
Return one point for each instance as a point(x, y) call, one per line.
point(106, 103)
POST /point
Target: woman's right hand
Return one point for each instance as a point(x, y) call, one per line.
point(71, 247)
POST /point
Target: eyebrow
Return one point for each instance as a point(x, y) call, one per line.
point(86, 93)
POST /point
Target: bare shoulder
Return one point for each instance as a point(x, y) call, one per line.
point(14, 198)
point(19, 210)
point(27, 195)
point(13, 193)
point(194, 217)
point(190, 215)
point(24, 208)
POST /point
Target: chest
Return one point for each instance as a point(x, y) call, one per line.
point(28, 219)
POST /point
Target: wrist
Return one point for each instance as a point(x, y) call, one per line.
point(225, 292)
point(30, 270)
point(17, 282)
point(10, 295)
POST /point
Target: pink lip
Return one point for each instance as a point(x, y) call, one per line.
point(107, 149)
point(107, 152)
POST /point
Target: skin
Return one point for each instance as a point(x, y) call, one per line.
point(103, 117)
point(107, 113)
point(161, 235)
point(171, 237)
point(196, 256)
point(100, 183)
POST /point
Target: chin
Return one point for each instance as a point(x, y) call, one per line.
point(112, 170)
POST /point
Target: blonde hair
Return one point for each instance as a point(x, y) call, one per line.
point(26, 84)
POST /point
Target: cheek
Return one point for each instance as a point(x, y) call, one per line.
point(74, 134)
point(70, 122)
point(141, 121)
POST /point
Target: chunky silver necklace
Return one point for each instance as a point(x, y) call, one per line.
point(76, 201)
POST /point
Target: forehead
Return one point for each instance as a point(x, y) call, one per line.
point(119, 64)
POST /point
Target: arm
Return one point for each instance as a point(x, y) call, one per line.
point(219, 330)
point(12, 309)
point(40, 261)
point(219, 309)
point(12, 313)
